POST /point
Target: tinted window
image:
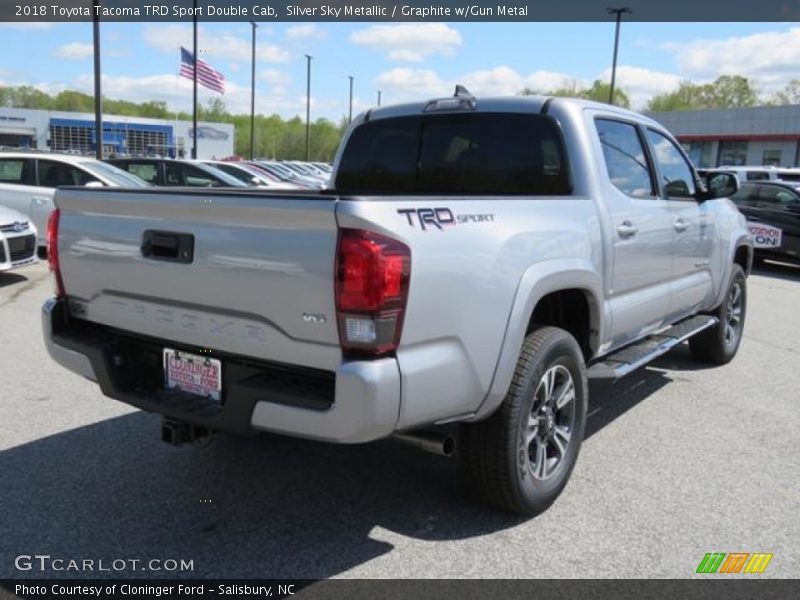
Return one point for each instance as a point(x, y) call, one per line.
point(55, 174)
point(774, 195)
point(16, 170)
point(757, 175)
point(676, 174)
point(745, 194)
point(475, 153)
point(625, 158)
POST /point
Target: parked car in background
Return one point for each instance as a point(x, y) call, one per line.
point(772, 209)
point(307, 170)
point(251, 176)
point(17, 240)
point(28, 181)
point(176, 173)
point(760, 173)
point(284, 173)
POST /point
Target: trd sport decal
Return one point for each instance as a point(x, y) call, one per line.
point(441, 217)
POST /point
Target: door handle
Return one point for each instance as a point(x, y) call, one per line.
point(627, 229)
point(681, 225)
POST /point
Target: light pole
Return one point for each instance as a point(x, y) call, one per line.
point(308, 102)
point(619, 12)
point(379, 98)
point(253, 97)
point(98, 88)
point(350, 114)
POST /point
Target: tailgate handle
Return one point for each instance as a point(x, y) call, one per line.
point(168, 246)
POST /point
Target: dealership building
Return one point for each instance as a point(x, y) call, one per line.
point(75, 133)
point(762, 135)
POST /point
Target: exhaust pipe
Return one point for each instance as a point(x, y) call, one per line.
point(176, 433)
point(434, 442)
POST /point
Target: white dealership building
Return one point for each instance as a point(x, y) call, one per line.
point(75, 133)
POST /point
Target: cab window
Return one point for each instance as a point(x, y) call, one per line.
point(625, 158)
point(676, 174)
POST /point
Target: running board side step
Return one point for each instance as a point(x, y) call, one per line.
point(620, 363)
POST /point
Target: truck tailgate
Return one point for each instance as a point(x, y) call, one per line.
point(248, 273)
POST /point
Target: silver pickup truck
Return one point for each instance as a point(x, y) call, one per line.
point(477, 262)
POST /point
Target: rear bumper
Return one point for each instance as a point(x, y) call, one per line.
point(360, 402)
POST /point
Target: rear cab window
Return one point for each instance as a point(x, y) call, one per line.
point(472, 154)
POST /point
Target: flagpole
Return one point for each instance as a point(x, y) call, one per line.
point(194, 83)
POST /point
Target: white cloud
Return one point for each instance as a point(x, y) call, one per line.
point(770, 58)
point(304, 32)
point(410, 42)
point(275, 77)
point(75, 51)
point(641, 84)
point(169, 39)
point(402, 84)
point(26, 25)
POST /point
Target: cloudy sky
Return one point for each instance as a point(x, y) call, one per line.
point(404, 61)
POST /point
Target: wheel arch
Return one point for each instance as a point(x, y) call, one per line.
point(563, 293)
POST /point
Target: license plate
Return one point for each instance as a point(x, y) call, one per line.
point(191, 373)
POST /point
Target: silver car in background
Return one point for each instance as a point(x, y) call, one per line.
point(28, 181)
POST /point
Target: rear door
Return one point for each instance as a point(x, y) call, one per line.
point(642, 231)
point(696, 256)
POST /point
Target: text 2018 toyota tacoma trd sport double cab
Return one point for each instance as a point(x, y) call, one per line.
point(477, 261)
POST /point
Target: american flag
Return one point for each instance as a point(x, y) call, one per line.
point(207, 75)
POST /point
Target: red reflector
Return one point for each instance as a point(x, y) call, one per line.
point(371, 290)
point(52, 252)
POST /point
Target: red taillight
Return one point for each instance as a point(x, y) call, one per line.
point(52, 252)
point(372, 274)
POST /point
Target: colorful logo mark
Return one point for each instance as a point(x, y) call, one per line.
point(734, 562)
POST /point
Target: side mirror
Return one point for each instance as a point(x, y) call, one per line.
point(719, 185)
point(255, 181)
point(93, 184)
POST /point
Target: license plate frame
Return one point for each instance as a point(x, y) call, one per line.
point(193, 374)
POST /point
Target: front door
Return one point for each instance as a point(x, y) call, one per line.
point(696, 256)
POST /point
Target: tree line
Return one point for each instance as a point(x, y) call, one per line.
point(726, 91)
point(275, 137)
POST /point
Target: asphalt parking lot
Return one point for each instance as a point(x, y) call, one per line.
point(680, 460)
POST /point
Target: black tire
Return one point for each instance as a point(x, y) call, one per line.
point(496, 453)
point(719, 344)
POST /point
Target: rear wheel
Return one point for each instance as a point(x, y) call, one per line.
point(520, 459)
point(720, 343)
